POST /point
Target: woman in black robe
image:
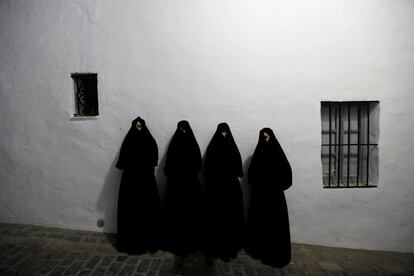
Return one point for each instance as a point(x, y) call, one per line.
point(268, 236)
point(183, 192)
point(138, 201)
point(224, 215)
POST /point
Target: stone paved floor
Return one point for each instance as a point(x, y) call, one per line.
point(35, 250)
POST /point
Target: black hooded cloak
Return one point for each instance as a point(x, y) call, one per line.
point(183, 192)
point(224, 215)
point(138, 201)
point(268, 236)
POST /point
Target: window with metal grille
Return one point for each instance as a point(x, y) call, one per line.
point(350, 132)
point(86, 94)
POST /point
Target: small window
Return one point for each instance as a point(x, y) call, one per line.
point(86, 94)
point(350, 132)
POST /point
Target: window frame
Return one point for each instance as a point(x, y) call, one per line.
point(88, 98)
point(336, 149)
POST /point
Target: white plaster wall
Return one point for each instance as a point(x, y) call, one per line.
point(249, 63)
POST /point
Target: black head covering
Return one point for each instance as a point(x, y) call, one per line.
point(269, 162)
point(222, 154)
point(183, 152)
point(138, 148)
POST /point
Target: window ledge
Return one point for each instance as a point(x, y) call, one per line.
point(350, 187)
point(83, 118)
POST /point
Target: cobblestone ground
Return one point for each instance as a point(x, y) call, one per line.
point(35, 250)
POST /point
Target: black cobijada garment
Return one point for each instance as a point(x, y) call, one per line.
point(268, 236)
point(138, 201)
point(224, 216)
point(183, 193)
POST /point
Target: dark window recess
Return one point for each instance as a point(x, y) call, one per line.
point(350, 132)
point(86, 94)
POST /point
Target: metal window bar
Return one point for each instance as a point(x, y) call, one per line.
point(80, 96)
point(349, 142)
point(368, 144)
point(330, 147)
point(359, 143)
point(338, 155)
point(336, 140)
point(339, 132)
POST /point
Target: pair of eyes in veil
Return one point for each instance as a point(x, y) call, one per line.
point(183, 130)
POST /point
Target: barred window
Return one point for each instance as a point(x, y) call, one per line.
point(350, 132)
point(86, 94)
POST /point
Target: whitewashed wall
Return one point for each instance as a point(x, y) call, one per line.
point(249, 63)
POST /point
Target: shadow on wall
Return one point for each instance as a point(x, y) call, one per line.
point(202, 175)
point(108, 199)
point(160, 175)
point(245, 186)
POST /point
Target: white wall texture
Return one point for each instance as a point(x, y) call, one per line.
point(249, 63)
